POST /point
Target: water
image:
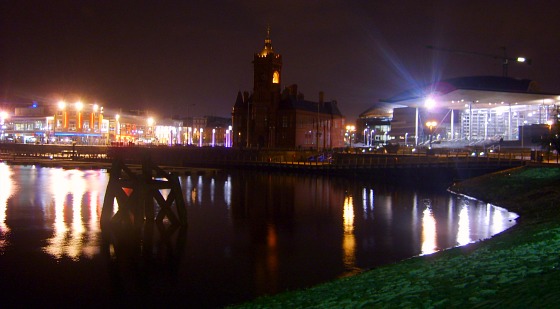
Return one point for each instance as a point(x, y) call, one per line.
point(248, 234)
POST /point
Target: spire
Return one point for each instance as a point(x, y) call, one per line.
point(267, 43)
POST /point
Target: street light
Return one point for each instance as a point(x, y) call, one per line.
point(431, 125)
point(350, 129)
point(118, 128)
point(150, 124)
point(226, 143)
point(213, 137)
point(549, 122)
point(95, 108)
point(61, 108)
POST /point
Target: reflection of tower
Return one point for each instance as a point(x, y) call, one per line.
point(267, 67)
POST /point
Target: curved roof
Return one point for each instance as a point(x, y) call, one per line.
point(379, 110)
point(477, 90)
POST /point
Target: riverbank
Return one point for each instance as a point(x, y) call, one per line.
point(517, 268)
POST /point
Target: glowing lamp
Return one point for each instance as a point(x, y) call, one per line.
point(430, 103)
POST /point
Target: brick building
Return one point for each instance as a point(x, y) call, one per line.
point(270, 117)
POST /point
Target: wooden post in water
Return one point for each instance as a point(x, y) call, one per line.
point(136, 193)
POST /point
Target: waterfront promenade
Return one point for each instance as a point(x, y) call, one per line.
point(445, 165)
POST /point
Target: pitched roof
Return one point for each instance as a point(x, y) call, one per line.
point(328, 107)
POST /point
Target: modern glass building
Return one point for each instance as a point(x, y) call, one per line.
point(471, 109)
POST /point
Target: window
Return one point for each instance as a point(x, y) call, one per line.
point(276, 77)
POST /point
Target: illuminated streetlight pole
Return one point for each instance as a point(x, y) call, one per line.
point(150, 124)
point(92, 118)
point(350, 131)
point(62, 109)
point(118, 128)
point(431, 125)
point(549, 122)
point(226, 143)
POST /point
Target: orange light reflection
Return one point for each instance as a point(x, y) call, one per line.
point(71, 237)
point(349, 239)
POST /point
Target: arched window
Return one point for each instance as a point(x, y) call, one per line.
point(276, 77)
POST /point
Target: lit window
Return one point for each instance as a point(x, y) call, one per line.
point(276, 77)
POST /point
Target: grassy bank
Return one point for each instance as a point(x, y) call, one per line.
point(517, 268)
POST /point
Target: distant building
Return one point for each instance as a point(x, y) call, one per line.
point(56, 123)
point(272, 118)
point(468, 109)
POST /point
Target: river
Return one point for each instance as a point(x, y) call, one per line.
point(248, 234)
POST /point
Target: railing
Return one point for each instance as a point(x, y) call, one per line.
point(224, 157)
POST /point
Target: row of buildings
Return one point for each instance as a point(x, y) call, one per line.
point(91, 124)
point(266, 117)
point(457, 112)
point(466, 110)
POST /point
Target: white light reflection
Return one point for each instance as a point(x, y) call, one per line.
point(464, 231)
point(90, 249)
point(199, 187)
point(55, 245)
point(496, 219)
point(190, 191)
point(428, 230)
point(227, 192)
point(5, 194)
point(368, 201)
point(212, 190)
point(77, 191)
point(71, 236)
point(349, 239)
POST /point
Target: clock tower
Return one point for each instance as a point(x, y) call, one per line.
point(267, 69)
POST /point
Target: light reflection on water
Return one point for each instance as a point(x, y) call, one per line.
point(6, 189)
point(250, 233)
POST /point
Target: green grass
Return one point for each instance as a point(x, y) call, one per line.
point(518, 268)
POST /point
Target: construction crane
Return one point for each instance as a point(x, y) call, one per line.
point(504, 58)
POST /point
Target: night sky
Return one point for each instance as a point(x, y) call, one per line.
point(166, 55)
